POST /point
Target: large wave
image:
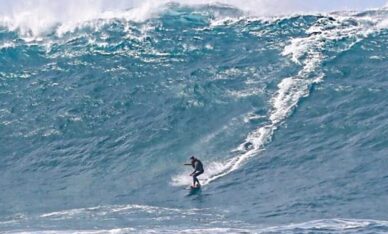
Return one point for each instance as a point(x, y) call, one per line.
point(100, 105)
point(47, 23)
point(309, 52)
point(331, 34)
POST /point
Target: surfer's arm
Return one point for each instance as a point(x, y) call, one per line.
point(187, 164)
point(196, 169)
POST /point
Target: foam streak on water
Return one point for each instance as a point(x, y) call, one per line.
point(307, 51)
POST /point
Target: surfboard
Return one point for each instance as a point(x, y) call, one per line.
point(193, 188)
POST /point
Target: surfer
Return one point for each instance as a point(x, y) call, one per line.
point(198, 170)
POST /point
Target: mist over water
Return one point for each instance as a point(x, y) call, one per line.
point(101, 102)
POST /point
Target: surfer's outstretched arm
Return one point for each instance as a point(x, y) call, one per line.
point(187, 164)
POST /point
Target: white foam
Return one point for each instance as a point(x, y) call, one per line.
point(105, 210)
point(308, 52)
point(74, 231)
point(7, 44)
point(36, 18)
point(327, 225)
point(253, 91)
point(383, 24)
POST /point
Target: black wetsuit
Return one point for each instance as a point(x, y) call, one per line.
point(198, 169)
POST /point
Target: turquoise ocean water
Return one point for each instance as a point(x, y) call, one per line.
point(288, 114)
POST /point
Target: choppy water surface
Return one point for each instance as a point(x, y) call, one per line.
point(288, 114)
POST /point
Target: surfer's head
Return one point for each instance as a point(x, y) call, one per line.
point(192, 158)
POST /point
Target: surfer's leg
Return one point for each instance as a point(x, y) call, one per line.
point(195, 179)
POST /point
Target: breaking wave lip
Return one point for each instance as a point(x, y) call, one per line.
point(33, 21)
point(307, 52)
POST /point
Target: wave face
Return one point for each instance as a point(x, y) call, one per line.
point(288, 115)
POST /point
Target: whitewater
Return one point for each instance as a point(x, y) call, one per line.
point(101, 106)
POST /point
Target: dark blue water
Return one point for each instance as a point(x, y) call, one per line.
point(289, 116)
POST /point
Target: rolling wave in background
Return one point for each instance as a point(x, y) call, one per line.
point(100, 106)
